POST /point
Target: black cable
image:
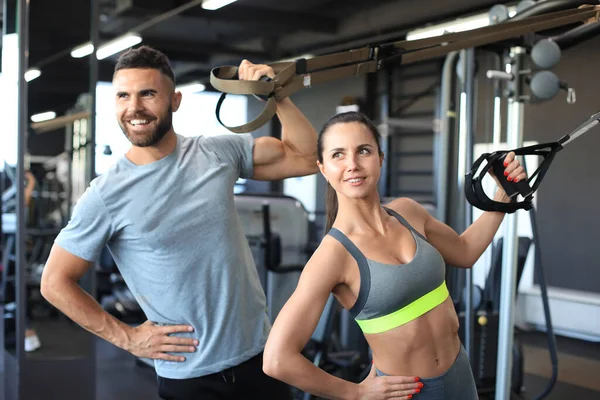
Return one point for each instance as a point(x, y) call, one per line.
point(544, 292)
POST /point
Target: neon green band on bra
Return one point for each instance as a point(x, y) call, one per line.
point(406, 314)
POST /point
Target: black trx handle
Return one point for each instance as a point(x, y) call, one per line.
point(495, 162)
point(512, 189)
point(474, 190)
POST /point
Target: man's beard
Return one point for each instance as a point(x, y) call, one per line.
point(152, 137)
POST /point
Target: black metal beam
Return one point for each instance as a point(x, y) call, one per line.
point(245, 23)
point(175, 49)
point(198, 51)
point(388, 34)
point(199, 74)
point(261, 19)
point(178, 51)
point(59, 102)
point(94, 67)
point(143, 7)
point(106, 69)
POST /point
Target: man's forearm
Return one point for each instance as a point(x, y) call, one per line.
point(84, 310)
point(297, 132)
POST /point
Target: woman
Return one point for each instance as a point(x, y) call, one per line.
point(386, 265)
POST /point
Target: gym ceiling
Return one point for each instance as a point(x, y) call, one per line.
point(198, 40)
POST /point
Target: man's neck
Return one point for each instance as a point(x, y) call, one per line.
point(150, 154)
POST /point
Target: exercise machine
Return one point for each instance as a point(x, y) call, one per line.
point(277, 228)
point(520, 83)
point(543, 85)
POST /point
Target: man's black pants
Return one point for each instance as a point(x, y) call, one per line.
point(244, 381)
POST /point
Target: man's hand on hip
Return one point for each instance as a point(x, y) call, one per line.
point(149, 340)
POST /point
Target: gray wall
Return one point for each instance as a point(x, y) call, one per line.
point(568, 198)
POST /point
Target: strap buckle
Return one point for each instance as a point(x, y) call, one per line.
point(387, 54)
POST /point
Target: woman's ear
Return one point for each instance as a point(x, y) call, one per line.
point(322, 169)
point(381, 158)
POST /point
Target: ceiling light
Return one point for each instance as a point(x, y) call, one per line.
point(194, 87)
point(458, 25)
point(82, 51)
point(215, 4)
point(32, 73)
point(117, 45)
point(107, 49)
point(45, 116)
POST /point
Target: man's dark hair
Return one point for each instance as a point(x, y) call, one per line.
point(145, 57)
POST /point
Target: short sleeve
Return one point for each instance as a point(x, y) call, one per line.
point(89, 228)
point(236, 149)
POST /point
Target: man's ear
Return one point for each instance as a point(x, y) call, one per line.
point(176, 101)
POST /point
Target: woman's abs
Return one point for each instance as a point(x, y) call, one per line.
point(425, 347)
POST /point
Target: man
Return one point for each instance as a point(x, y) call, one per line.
point(166, 211)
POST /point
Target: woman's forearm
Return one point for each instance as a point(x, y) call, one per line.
point(480, 234)
point(299, 372)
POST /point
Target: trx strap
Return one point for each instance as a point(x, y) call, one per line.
point(494, 161)
point(291, 77)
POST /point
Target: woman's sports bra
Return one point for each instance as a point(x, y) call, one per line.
point(392, 295)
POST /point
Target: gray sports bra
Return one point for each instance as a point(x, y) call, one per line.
point(392, 295)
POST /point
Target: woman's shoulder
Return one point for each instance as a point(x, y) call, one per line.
point(407, 207)
point(414, 212)
point(327, 265)
point(330, 254)
point(330, 249)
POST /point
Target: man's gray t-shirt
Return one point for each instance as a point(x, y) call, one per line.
point(175, 235)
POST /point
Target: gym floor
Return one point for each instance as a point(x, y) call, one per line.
point(119, 377)
point(578, 366)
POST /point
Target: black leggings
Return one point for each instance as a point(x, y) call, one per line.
point(246, 380)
